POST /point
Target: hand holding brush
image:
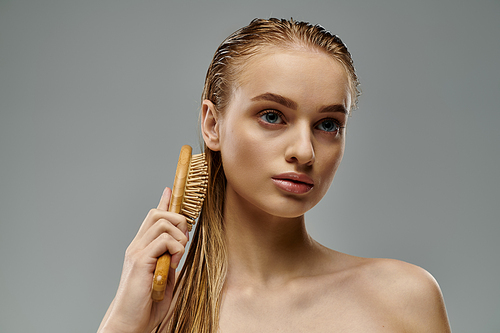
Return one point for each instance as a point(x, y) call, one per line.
point(162, 233)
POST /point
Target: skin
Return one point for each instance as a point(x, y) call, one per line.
point(279, 279)
point(286, 115)
point(132, 309)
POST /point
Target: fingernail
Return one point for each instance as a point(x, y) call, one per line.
point(187, 234)
point(174, 265)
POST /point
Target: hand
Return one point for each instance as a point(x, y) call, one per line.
point(133, 310)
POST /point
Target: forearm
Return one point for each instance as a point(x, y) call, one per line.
point(105, 319)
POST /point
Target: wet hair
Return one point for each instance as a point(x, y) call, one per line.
point(201, 280)
point(259, 35)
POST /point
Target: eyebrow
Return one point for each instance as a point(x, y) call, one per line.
point(335, 108)
point(278, 99)
point(287, 102)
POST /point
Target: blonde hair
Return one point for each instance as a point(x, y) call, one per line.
point(200, 284)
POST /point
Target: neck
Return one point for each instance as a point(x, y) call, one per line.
point(264, 248)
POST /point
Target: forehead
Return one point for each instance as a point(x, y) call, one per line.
point(308, 76)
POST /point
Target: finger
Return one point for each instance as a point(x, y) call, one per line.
point(165, 199)
point(162, 227)
point(156, 215)
point(163, 244)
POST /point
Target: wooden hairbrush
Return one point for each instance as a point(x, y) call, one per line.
point(188, 193)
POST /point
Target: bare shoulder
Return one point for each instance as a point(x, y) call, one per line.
point(398, 278)
point(408, 291)
point(396, 273)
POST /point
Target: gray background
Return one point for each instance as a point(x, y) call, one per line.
point(97, 96)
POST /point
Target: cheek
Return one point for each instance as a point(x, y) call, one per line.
point(330, 162)
point(242, 152)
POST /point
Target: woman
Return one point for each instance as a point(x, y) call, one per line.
point(274, 110)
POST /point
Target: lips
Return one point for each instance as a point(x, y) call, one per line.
point(293, 182)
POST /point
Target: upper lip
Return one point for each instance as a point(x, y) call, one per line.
point(294, 176)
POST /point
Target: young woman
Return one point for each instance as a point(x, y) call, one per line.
point(274, 109)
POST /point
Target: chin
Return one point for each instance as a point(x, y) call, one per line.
point(288, 207)
point(266, 202)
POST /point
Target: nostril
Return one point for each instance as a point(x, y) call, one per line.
point(301, 155)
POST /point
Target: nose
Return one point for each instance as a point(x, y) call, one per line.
point(300, 147)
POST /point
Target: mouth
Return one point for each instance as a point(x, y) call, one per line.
point(293, 182)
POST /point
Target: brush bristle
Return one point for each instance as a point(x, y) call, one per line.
point(196, 189)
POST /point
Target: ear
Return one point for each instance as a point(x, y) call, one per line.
point(210, 125)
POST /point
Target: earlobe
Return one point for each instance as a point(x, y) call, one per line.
point(210, 125)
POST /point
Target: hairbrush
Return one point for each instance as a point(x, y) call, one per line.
point(188, 193)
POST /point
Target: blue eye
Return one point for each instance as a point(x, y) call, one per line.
point(328, 125)
point(272, 117)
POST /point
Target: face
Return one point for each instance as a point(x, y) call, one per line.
point(282, 135)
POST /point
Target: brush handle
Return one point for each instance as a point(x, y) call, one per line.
point(163, 263)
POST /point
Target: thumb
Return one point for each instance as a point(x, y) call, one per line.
point(165, 199)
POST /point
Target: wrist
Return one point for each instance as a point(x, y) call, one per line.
point(115, 326)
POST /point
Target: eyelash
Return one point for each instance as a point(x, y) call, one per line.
point(267, 112)
point(281, 116)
